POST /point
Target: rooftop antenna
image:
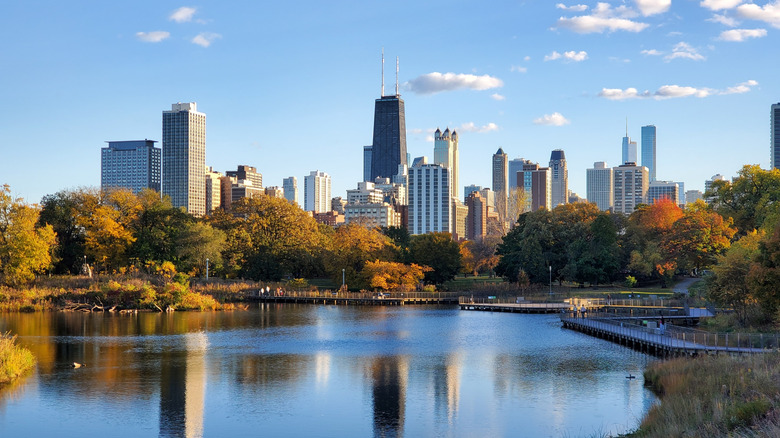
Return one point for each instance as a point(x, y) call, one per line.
point(383, 72)
point(396, 76)
point(626, 126)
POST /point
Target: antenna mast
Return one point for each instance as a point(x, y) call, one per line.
point(383, 72)
point(396, 76)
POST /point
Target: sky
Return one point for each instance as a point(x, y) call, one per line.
point(289, 87)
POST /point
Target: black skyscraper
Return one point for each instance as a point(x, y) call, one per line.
point(389, 147)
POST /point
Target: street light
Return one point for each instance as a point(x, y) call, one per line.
point(343, 273)
point(207, 268)
point(550, 279)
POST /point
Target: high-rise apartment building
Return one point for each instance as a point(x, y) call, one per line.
point(184, 157)
point(316, 192)
point(476, 220)
point(515, 166)
point(658, 190)
point(247, 173)
point(213, 189)
point(692, 196)
point(365, 193)
point(132, 165)
point(631, 183)
point(536, 183)
point(388, 149)
point(560, 178)
point(274, 192)
point(774, 137)
point(290, 187)
point(500, 182)
point(648, 149)
point(445, 153)
point(600, 184)
point(430, 203)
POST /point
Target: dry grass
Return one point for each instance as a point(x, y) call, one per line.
point(719, 396)
point(14, 360)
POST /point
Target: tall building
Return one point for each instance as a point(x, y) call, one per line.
point(132, 165)
point(476, 220)
point(445, 153)
point(388, 149)
point(774, 137)
point(515, 166)
point(560, 178)
point(316, 192)
point(274, 192)
point(366, 193)
point(367, 162)
point(290, 187)
point(631, 183)
point(629, 154)
point(184, 157)
point(692, 196)
point(536, 183)
point(600, 186)
point(658, 190)
point(247, 173)
point(500, 182)
point(648, 149)
point(470, 189)
point(213, 189)
point(430, 206)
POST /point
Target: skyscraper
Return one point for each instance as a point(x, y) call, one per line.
point(500, 182)
point(184, 157)
point(560, 178)
point(213, 189)
point(445, 153)
point(629, 150)
point(133, 165)
point(536, 183)
point(476, 221)
point(648, 149)
point(389, 147)
point(774, 137)
point(515, 166)
point(290, 186)
point(658, 190)
point(600, 186)
point(630, 187)
point(367, 163)
point(316, 192)
point(430, 203)
point(247, 175)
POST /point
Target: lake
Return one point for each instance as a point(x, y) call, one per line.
point(298, 370)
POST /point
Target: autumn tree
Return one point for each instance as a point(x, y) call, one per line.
point(594, 255)
point(106, 221)
point(764, 276)
point(195, 244)
point(25, 248)
point(698, 237)
point(751, 199)
point(62, 210)
point(156, 225)
point(439, 252)
point(647, 233)
point(728, 284)
point(351, 248)
point(392, 275)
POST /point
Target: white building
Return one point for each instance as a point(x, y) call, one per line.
point(600, 183)
point(316, 192)
point(213, 189)
point(631, 183)
point(290, 187)
point(366, 193)
point(184, 157)
point(445, 154)
point(430, 203)
point(380, 214)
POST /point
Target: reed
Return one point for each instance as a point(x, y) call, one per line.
point(14, 359)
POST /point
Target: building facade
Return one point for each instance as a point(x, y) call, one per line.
point(477, 218)
point(629, 153)
point(247, 173)
point(500, 182)
point(560, 178)
point(445, 153)
point(290, 187)
point(430, 203)
point(213, 190)
point(631, 183)
point(367, 162)
point(513, 167)
point(380, 214)
point(388, 150)
point(184, 157)
point(658, 190)
point(536, 184)
point(132, 165)
point(649, 150)
point(774, 137)
point(600, 186)
point(316, 193)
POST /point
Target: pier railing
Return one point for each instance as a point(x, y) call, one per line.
point(359, 295)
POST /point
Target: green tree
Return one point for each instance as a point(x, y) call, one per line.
point(728, 285)
point(156, 226)
point(529, 247)
point(764, 276)
point(751, 199)
point(594, 256)
point(107, 221)
point(439, 252)
point(62, 210)
point(25, 248)
point(195, 244)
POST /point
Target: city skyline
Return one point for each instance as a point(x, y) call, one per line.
point(528, 78)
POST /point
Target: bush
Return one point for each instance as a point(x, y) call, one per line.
point(14, 360)
point(630, 282)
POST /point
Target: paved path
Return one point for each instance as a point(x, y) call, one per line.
point(682, 287)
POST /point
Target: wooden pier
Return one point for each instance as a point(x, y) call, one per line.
point(673, 340)
point(516, 307)
point(357, 298)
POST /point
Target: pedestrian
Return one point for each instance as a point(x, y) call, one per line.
point(663, 324)
point(582, 310)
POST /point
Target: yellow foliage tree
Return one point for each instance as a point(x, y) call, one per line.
point(392, 275)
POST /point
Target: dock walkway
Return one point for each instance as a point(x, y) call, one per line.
point(357, 298)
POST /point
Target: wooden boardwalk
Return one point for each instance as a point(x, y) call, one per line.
point(523, 307)
point(673, 341)
point(357, 298)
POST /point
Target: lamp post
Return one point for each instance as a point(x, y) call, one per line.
point(207, 268)
point(343, 277)
point(550, 279)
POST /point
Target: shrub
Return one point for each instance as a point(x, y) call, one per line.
point(630, 281)
point(14, 360)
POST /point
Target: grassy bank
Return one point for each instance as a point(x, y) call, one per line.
point(719, 396)
point(14, 360)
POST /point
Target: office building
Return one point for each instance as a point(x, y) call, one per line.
point(599, 181)
point(658, 190)
point(367, 162)
point(388, 149)
point(459, 216)
point(316, 192)
point(648, 149)
point(132, 165)
point(470, 189)
point(430, 203)
point(536, 184)
point(184, 157)
point(500, 182)
point(692, 196)
point(366, 193)
point(774, 137)
point(514, 166)
point(629, 153)
point(631, 183)
point(371, 215)
point(290, 187)
point(213, 190)
point(477, 218)
point(247, 173)
point(445, 154)
point(337, 204)
point(560, 178)
point(274, 192)
point(680, 193)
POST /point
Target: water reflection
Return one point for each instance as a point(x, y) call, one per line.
point(389, 377)
point(183, 388)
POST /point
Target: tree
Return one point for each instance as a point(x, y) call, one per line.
point(528, 247)
point(351, 248)
point(698, 236)
point(393, 275)
point(62, 210)
point(728, 284)
point(751, 199)
point(594, 256)
point(197, 243)
point(24, 247)
point(439, 252)
point(156, 226)
point(647, 240)
point(764, 275)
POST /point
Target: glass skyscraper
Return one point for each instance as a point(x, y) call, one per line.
point(648, 149)
point(774, 121)
point(133, 165)
point(184, 157)
point(560, 178)
point(389, 147)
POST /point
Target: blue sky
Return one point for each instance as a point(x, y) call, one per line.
point(289, 87)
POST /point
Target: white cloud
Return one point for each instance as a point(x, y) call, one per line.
point(205, 39)
point(152, 37)
point(724, 20)
point(554, 119)
point(717, 5)
point(651, 52)
point(183, 14)
point(684, 50)
point(471, 127)
point(527, 58)
point(574, 8)
point(436, 82)
point(519, 69)
point(738, 35)
point(769, 13)
point(568, 56)
point(604, 18)
point(496, 96)
point(653, 7)
point(674, 91)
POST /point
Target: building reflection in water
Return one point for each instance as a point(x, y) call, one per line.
point(447, 387)
point(183, 387)
point(389, 376)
